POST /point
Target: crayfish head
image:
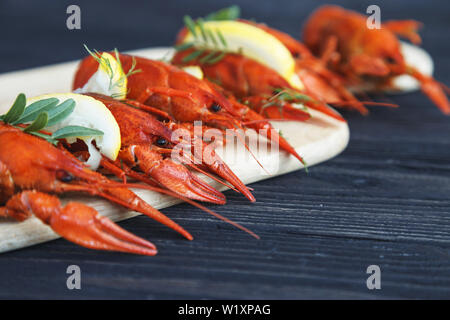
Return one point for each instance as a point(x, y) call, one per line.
point(33, 163)
point(381, 56)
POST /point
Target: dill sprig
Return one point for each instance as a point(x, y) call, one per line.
point(106, 64)
point(42, 114)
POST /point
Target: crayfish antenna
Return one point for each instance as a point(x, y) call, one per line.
point(193, 203)
point(273, 135)
point(137, 204)
point(432, 89)
point(209, 175)
point(215, 165)
point(119, 194)
point(242, 140)
point(360, 105)
point(324, 108)
point(170, 175)
point(190, 164)
point(152, 110)
point(292, 113)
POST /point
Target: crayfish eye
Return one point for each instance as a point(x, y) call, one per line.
point(390, 60)
point(64, 176)
point(161, 142)
point(216, 108)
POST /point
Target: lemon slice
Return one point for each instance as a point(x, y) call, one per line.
point(195, 71)
point(90, 113)
point(109, 79)
point(256, 44)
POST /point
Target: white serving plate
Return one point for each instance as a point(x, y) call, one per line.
point(317, 140)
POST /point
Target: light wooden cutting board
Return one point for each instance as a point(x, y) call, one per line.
point(316, 140)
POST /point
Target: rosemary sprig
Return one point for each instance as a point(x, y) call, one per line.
point(43, 114)
point(109, 69)
point(210, 46)
point(287, 94)
point(230, 13)
point(211, 42)
point(283, 95)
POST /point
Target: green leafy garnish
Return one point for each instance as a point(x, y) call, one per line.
point(38, 124)
point(230, 13)
point(194, 55)
point(109, 69)
point(36, 108)
point(209, 43)
point(291, 95)
point(43, 114)
point(212, 43)
point(283, 95)
point(75, 131)
point(16, 110)
point(60, 112)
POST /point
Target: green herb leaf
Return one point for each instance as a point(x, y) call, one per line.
point(205, 40)
point(290, 95)
point(222, 38)
point(208, 57)
point(45, 137)
point(230, 13)
point(212, 38)
point(38, 124)
point(216, 59)
point(184, 46)
point(202, 29)
point(75, 131)
point(34, 109)
point(60, 112)
point(190, 24)
point(16, 110)
point(192, 56)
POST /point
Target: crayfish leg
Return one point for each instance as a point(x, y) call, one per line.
point(432, 89)
point(6, 183)
point(405, 28)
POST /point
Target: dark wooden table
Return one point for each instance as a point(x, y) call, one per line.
point(384, 201)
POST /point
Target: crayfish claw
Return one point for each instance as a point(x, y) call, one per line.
point(176, 177)
point(83, 225)
point(79, 223)
point(180, 180)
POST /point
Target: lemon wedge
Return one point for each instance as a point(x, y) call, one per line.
point(90, 113)
point(109, 79)
point(195, 71)
point(254, 43)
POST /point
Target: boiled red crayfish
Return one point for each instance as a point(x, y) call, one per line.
point(184, 97)
point(146, 145)
point(31, 168)
point(254, 82)
point(367, 56)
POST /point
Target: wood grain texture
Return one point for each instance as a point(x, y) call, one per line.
point(384, 201)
